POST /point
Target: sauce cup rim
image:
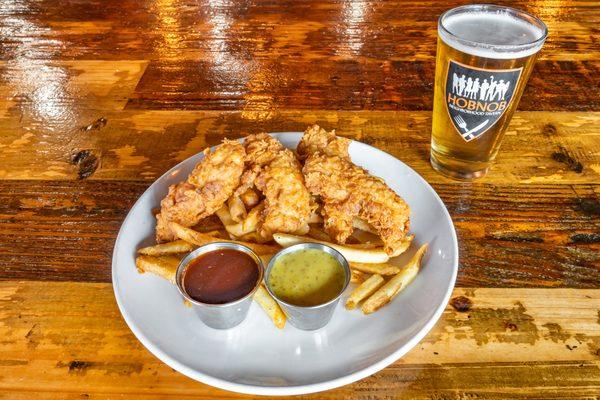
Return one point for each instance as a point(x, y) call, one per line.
point(309, 245)
point(183, 264)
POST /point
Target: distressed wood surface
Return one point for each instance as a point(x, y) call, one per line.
point(255, 55)
point(522, 342)
point(196, 85)
point(529, 236)
point(142, 145)
point(251, 32)
point(99, 98)
point(348, 85)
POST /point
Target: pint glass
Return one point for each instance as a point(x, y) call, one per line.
point(485, 54)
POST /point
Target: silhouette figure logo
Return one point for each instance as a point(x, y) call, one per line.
point(477, 98)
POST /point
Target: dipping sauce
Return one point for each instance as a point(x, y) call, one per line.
point(220, 276)
point(306, 277)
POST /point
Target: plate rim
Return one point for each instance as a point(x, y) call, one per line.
point(297, 389)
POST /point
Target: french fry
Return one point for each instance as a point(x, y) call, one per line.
point(357, 276)
point(241, 228)
point(352, 254)
point(250, 198)
point(368, 241)
point(253, 237)
point(270, 306)
point(364, 290)
point(366, 245)
point(363, 225)
point(164, 266)
point(250, 223)
point(176, 246)
point(234, 229)
point(381, 269)
point(237, 208)
point(200, 239)
point(216, 234)
point(225, 216)
point(395, 285)
point(210, 223)
point(405, 245)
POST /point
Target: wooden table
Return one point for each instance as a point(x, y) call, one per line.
point(99, 98)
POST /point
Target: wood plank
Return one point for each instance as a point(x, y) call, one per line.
point(509, 236)
point(526, 343)
point(62, 231)
point(134, 145)
point(348, 84)
point(506, 234)
point(51, 94)
point(313, 30)
point(489, 381)
point(73, 161)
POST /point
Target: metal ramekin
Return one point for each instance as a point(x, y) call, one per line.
point(220, 316)
point(311, 317)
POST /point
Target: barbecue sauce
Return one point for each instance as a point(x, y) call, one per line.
point(220, 276)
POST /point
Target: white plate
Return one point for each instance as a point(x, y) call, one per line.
point(257, 358)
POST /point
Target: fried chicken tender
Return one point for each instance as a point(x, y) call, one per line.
point(348, 191)
point(317, 139)
point(206, 189)
point(276, 172)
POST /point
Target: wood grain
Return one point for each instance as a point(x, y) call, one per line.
point(99, 98)
point(255, 56)
point(58, 94)
point(51, 91)
point(509, 342)
point(351, 84)
point(236, 31)
point(529, 236)
point(144, 144)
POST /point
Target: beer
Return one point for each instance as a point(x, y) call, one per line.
point(485, 54)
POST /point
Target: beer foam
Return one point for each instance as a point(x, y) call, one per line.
point(496, 34)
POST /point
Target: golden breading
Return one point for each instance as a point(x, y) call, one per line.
point(207, 188)
point(348, 191)
point(276, 172)
point(317, 139)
